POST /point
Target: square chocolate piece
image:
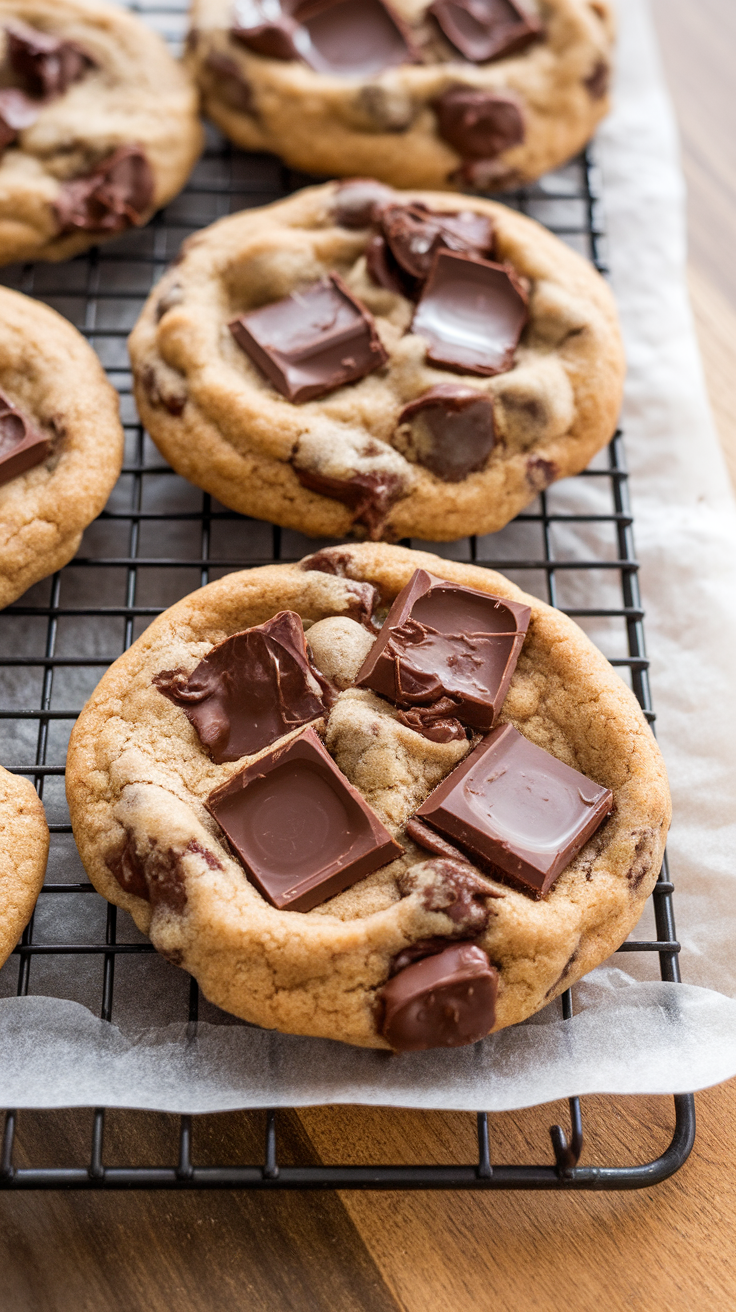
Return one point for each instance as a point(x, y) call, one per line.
point(440, 640)
point(312, 341)
point(516, 807)
point(485, 29)
point(302, 832)
point(20, 446)
point(472, 313)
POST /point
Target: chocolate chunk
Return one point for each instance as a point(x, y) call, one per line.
point(444, 1001)
point(312, 341)
point(21, 447)
point(442, 640)
point(355, 202)
point(540, 473)
point(426, 837)
point(385, 270)
point(454, 888)
point(452, 431)
point(115, 196)
point(478, 124)
point(348, 37)
point(597, 82)
point(46, 65)
point(472, 313)
point(485, 29)
point(233, 88)
point(302, 832)
point(436, 722)
point(414, 233)
point(156, 876)
point(16, 113)
point(250, 689)
point(518, 807)
point(370, 496)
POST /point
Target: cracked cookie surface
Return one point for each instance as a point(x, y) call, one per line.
point(97, 148)
point(53, 377)
point(24, 847)
point(223, 425)
point(138, 778)
point(408, 123)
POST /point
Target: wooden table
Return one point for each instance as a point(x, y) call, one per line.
point(670, 1249)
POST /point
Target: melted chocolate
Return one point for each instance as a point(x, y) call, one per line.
point(472, 314)
point(485, 29)
point(115, 196)
point(355, 202)
point(436, 722)
point(21, 447)
point(478, 124)
point(157, 876)
point(301, 831)
point(46, 65)
point(355, 38)
point(454, 888)
point(452, 432)
point(414, 234)
point(441, 640)
point(517, 807)
point(370, 496)
point(16, 113)
point(250, 689)
point(444, 1001)
point(312, 341)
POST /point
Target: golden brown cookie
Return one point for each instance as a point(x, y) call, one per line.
point(353, 445)
point(24, 847)
point(453, 94)
point(143, 792)
point(98, 126)
point(61, 441)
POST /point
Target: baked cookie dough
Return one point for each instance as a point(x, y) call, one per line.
point(457, 94)
point(158, 754)
point(98, 126)
point(293, 366)
point(61, 441)
point(24, 847)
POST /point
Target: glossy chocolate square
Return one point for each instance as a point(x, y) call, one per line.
point(472, 313)
point(312, 341)
point(302, 832)
point(20, 446)
point(444, 640)
point(517, 808)
point(485, 29)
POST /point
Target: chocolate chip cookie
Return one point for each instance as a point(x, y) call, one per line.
point(387, 364)
point(98, 126)
point(455, 94)
point(24, 847)
point(375, 796)
point(61, 441)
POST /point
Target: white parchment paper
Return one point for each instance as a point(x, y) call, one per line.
point(631, 1033)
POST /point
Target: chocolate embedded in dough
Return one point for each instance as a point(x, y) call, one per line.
point(348, 37)
point(472, 313)
point(355, 201)
point(521, 809)
point(478, 124)
point(301, 831)
point(444, 1001)
point(485, 29)
point(113, 197)
point(451, 430)
point(414, 233)
point(21, 447)
point(250, 689)
point(233, 88)
point(370, 495)
point(597, 83)
point(442, 640)
point(312, 341)
point(17, 112)
point(46, 65)
point(436, 722)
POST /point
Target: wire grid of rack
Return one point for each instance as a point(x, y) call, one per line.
point(160, 538)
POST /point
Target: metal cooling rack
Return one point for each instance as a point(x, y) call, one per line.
point(158, 539)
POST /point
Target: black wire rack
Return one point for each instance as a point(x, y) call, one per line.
point(158, 539)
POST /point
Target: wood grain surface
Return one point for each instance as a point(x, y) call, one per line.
point(670, 1249)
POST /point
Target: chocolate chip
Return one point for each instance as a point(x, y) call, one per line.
point(370, 496)
point(451, 430)
point(232, 86)
point(159, 395)
point(454, 888)
point(485, 29)
point(444, 1001)
point(46, 65)
point(355, 201)
point(414, 233)
point(156, 874)
point(540, 473)
point(598, 81)
point(113, 197)
point(478, 124)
